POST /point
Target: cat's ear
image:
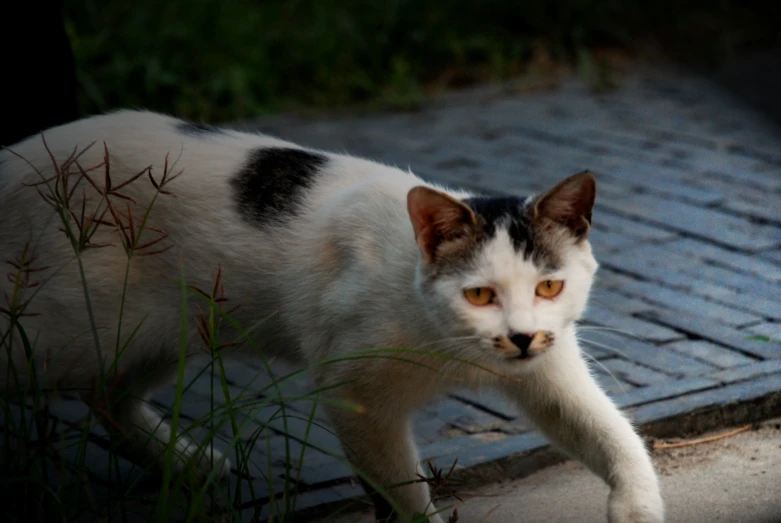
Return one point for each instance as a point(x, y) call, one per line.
point(437, 218)
point(570, 203)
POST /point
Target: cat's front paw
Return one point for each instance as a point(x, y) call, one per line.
point(635, 506)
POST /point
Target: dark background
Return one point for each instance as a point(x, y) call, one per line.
point(218, 60)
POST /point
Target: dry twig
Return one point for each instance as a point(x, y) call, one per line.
point(708, 439)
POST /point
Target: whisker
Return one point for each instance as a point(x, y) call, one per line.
point(626, 333)
point(448, 340)
point(606, 347)
point(592, 358)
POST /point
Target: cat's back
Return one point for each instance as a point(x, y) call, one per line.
point(130, 141)
point(135, 176)
point(279, 220)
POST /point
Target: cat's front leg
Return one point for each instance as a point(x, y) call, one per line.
point(566, 404)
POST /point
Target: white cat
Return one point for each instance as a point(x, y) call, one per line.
point(340, 255)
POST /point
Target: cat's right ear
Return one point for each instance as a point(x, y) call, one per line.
point(570, 203)
point(436, 218)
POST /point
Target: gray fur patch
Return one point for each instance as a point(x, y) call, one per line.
point(535, 241)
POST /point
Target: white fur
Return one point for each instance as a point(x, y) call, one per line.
point(342, 275)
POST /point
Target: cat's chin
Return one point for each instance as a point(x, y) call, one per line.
point(522, 364)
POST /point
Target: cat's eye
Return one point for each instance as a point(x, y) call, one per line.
point(480, 296)
point(549, 288)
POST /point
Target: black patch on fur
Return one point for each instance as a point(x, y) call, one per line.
point(506, 210)
point(270, 186)
point(383, 511)
point(198, 129)
point(511, 212)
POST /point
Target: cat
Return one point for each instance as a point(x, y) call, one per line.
point(338, 254)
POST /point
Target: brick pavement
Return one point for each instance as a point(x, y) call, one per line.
point(686, 314)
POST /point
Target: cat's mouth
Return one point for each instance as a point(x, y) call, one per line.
point(524, 347)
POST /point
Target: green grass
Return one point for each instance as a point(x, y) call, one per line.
point(215, 61)
point(46, 460)
point(763, 338)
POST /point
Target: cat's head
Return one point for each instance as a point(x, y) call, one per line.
point(501, 270)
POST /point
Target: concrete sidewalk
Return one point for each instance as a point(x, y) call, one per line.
point(732, 480)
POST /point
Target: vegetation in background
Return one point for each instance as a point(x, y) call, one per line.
point(216, 60)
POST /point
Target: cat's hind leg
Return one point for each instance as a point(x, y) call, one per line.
point(379, 444)
point(123, 409)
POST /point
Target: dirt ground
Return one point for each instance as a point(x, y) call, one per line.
point(732, 479)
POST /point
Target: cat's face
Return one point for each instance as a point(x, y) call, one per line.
point(504, 276)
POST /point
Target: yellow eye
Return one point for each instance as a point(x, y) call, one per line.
point(480, 295)
point(549, 288)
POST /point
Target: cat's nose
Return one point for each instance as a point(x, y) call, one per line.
point(521, 340)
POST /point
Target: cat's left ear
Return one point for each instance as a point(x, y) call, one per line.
point(437, 218)
point(570, 203)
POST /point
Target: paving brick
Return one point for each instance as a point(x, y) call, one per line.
point(770, 330)
point(619, 302)
point(648, 177)
point(490, 400)
point(450, 446)
point(765, 292)
point(629, 167)
point(483, 452)
point(630, 325)
point(283, 449)
point(716, 226)
point(606, 242)
point(610, 383)
point(427, 426)
point(772, 255)
point(610, 190)
point(661, 269)
point(714, 332)
point(633, 373)
point(104, 466)
point(679, 300)
point(763, 206)
point(649, 263)
point(465, 416)
point(748, 174)
point(655, 357)
point(743, 199)
point(721, 397)
point(738, 169)
point(325, 472)
point(617, 167)
point(712, 354)
point(746, 299)
point(607, 279)
point(314, 434)
point(747, 372)
point(664, 390)
point(617, 223)
point(593, 349)
point(72, 411)
point(735, 260)
point(328, 494)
